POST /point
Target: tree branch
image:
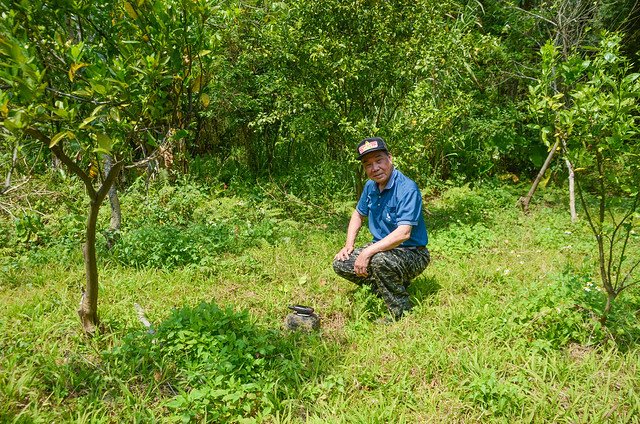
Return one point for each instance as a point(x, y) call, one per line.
point(82, 99)
point(628, 285)
point(69, 163)
point(8, 190)
point(106, 185)
point(626, 238)
point(629, 275)
point(535, 15)
point(586, 208)
point(144, 161)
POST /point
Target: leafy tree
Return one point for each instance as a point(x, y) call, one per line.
point(570, 25)
point(305, 80)
point(605, 121)
point(55, 96)
point(599, 120)
point(112, 80)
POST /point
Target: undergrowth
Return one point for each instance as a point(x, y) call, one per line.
point(504, 326)
point(218, 362)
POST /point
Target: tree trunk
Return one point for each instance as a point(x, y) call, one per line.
point(14, 160)
point(89, 304)
point(88, 310)
point(116, 213)
point(524, 201)
point(572, 192)
point(607, 309)
point(572, 182)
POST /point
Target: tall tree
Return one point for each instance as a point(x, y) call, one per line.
point(92, 80)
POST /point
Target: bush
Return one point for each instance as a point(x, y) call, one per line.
point(224, 366)
point(161, 203)
point(558, 313)
point(170, 246)
point(181, 225)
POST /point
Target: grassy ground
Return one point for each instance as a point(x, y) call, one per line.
point(500, 331)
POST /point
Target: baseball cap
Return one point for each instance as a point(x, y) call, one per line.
point(371, 144)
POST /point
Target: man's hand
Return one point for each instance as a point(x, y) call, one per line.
point(352, 232)
point(361, 264)
point(344, 253)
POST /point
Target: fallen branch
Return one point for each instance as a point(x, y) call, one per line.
point(524, 201)
point(7, 190)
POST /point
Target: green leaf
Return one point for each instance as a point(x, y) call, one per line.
point(99, 88)
point(58, 137)
point(14, 123)
point(76, 52)
point(87, 121)
point(544, 132)
point(151, 140)
point(97, 110)
point(62, 113)
point(180, 134)
point(16, 54)
point(114, 113)
point(104, 143)
point(8, 124)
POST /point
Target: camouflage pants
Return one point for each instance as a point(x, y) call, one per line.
point(390, 273)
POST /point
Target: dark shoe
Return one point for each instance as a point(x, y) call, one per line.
point(385, 321)
point(398, 314)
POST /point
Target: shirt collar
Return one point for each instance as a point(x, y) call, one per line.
point(392, 180)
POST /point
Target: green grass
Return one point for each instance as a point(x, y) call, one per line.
point(495, 336)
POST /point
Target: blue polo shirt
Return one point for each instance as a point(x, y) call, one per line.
point(400, 203)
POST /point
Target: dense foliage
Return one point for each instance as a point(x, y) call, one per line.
point(221, 365)
point(228, 129)
point(270, 86)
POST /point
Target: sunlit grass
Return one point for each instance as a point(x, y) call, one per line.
point(480, 345)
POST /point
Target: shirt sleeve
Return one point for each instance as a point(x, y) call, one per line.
point(409, 207)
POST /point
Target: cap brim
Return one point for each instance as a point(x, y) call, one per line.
point(377, 149)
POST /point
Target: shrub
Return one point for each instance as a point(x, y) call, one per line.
point(224, 366)
point(558, 313)
point(460, 239)
point(171, 246)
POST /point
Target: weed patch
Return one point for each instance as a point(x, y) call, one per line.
point(565, 310)
point(222, 366)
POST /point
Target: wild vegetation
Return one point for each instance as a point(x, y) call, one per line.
point(505, 327)
point(222, 135)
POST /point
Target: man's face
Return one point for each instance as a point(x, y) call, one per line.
point(378, 166)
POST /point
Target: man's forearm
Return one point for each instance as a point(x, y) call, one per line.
point(393, 240)
point(354, 227)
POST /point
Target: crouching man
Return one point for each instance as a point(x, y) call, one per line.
point(392, 204)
